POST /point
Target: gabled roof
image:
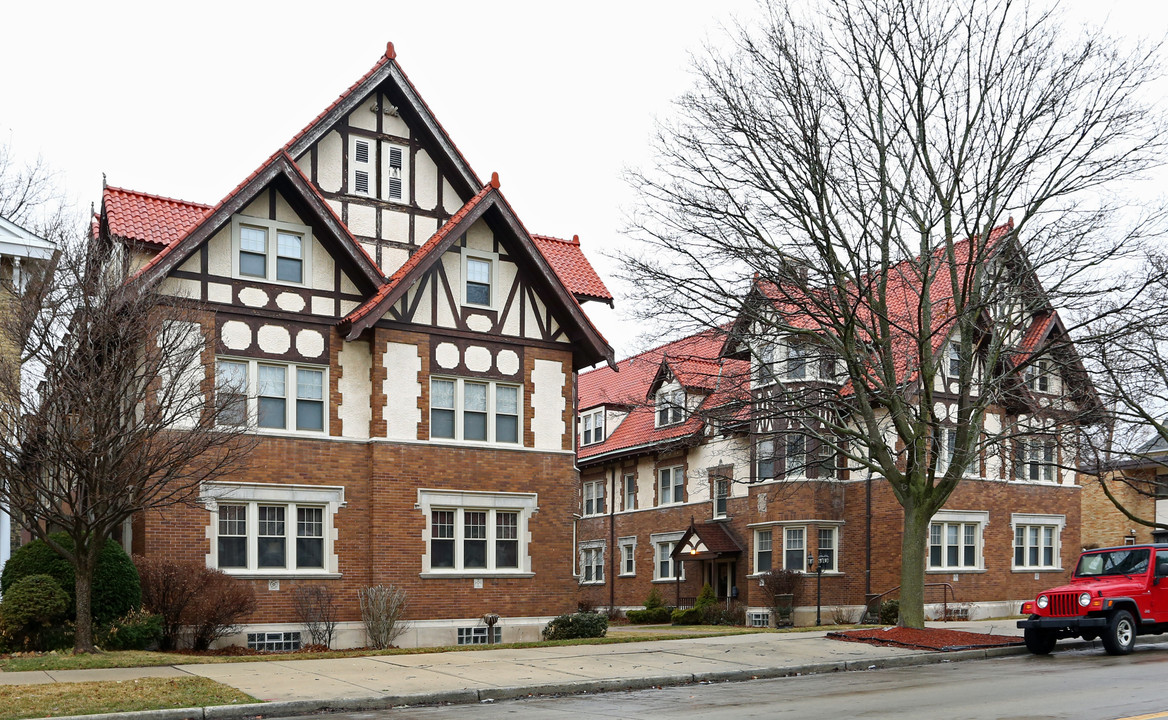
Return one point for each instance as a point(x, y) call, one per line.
point(18, 242)
point(628, 385)
point(149, 219)
point(706, 541)
point(587, 341)
point(387, 68)
point(573, 268)
point(280, 169)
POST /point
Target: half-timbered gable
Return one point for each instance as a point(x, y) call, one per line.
point(408, 353)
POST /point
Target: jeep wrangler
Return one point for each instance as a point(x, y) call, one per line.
point(1115, 594)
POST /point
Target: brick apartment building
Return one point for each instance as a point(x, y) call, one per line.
point(682, 484)
point(409, 353)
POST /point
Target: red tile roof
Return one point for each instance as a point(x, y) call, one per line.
point(714, 535)
point(573, 269)
point(723, 382)
point(151, 219)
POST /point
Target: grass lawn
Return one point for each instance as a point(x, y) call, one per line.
point(26, 701)
point(66, 660)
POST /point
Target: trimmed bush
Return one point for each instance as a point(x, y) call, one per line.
point(136, 630)
point(654, 600)
point(649, 616)
point(889, 612)
point(32, 605)
point(706, 598)
point(576, 625)
point(692, 616)
point(115, 591)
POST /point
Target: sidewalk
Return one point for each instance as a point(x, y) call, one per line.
point(304, 686)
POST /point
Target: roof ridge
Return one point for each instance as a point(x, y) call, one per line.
point(575, 240)
point(386, 57)
point(652, 349)
point(155, 196)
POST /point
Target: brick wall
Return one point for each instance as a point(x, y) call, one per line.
point(1103, 523)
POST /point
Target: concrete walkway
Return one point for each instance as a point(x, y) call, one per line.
point(303, 686)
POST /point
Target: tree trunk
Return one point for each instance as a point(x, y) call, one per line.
point(912, 566)
point(83, 585)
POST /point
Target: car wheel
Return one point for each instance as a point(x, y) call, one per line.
point(1039, 641)
point(1120, 636)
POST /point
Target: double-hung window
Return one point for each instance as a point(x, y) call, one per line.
point(721, 496)
point(475, 532)
point(594, 497)
point(665, 567)
point(945, 447)
point(272, 529)
point(794, 548)
point(670, 407)
point(826, 461)
point(280, 396)
point(955, 540)
point(765, 370)
point(954, 357)
point(1037, 541)
point(762, 551)
point(1035, 460)
point(592, 427)
point(828, 540)
point(479, 411)
point(592, 563)
point(1038, 376)
point(478, 282)
point(628, 555)
point(671, 486)
point(796, 455)
point(798, 353)
point(765, 459)
point(630, 492)
point(270, 250)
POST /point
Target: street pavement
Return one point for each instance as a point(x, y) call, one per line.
point(302, 686)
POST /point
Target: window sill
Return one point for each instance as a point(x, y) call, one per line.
point(1026, 571)
point(592, 583)
point(666, 580)
point(954, 571)
point(477, 443)
point(627, 575)
point(279, 574)
point(458, 574)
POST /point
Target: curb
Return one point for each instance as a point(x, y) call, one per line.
point(288, 708)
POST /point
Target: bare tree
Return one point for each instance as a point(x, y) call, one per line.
point(888, 203)
point(110, 410)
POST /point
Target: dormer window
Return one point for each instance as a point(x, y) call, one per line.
point(592, 427)
point(1038, 376)
point(670, 407)
point(270, 250)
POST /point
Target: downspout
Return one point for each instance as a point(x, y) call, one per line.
point(868, 537)
point(614, 560)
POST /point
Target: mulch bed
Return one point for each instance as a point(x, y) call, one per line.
point(938, 639)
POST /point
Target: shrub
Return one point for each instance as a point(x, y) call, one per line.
point(654, 600)
point(32, 605)
point(889, 612)
point(136, 630)
point(168, 587)
point(843, 615)
point(217, 609)
point(692, 616)
point(576, 625)
point(706, 598)
point(734, 614)
point(649, 616)
point(316, 608)
point(383, 610)
point(115, 591)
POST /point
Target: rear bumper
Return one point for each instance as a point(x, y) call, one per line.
point(1073, 624)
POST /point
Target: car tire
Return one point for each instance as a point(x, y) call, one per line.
point(1120, 636)
point(1039, 641)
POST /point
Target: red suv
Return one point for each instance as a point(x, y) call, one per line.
point(1115, 594)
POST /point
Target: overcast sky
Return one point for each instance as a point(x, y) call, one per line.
point(186, 99)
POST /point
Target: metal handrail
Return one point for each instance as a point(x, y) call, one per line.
point(948, 588)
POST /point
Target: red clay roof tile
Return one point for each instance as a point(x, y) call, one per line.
point(573, 269)
point(151, 219)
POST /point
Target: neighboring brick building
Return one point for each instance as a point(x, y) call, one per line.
point(409, 353)
point(676, 467)
point(1139, 485)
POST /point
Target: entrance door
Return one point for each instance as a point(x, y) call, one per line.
point(725, 571)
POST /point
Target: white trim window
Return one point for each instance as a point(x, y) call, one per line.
point(670, 406)
point(765, 459)
point(1038, 376)
point(272, 530)
point(670, 486)
point(476, 533)
point(395, 165)
point(594, 497)
point(945, 446)
point(795, 549)
point(721, 493)
point(764, 371)
point(479, 270)
point(798, 357)
point(362, 166)
point(280, 396)
point(270, 250)
point(828, 548)
point(1035, 460)
point(664, 567)
point(592, 562)
point(474, 411)
point(1037, 541)
point(954, 359)
point(955, 540)
point(796, 455)
point(592, 427)
point(763, 557)
point(628, 556)
point(629, 484)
